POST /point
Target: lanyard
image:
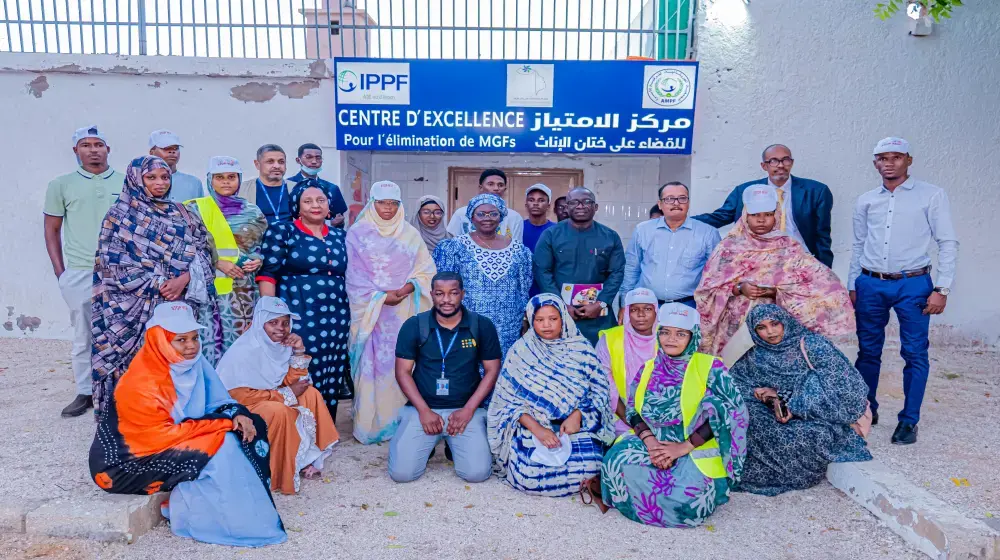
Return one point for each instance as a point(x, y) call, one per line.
point(444, 353)
point(281, 193)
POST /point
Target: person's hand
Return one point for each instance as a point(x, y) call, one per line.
point(252, 265)
point(294, 342)
point(244, 426)
point(574, 312)
point(783, 419)
point(392, 298)
point(853, 294)
point(229, 269)
point(547, 437)
point(935, 304)
point(337, 220)
point(589, 310)
point(172, 289)
point(571, 425)
point(676, 450)
point(431, 422)
point(458, 420)
point(752, 291)
point(299, 387)
point(764, 393)
point(657, 456)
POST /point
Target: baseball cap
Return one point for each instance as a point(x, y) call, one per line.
point(539, 187)
point(163, 139)
point(891, 144)
point(276, 306)
point(385, 190)
point(760, 198)
point(641, 295)
point(175, 317)
point(224, 164)
point(88, 132)
point(678, 315)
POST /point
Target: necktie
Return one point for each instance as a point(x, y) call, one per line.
point(781, 205)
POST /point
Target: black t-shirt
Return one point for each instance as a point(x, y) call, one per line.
point(461, 364)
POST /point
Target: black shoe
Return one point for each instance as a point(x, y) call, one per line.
point(447, 452)
point(874, 418)
point(79, 405)
point(905, 434)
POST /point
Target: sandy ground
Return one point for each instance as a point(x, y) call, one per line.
point(357, 512)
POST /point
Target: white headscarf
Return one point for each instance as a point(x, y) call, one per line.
point(254, 360)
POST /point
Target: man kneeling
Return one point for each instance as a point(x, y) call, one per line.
point(438, 353)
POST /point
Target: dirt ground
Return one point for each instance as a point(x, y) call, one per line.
point(356, 511)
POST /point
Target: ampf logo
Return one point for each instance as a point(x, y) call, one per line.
point(373, 83)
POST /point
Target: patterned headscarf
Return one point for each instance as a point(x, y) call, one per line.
point(300, 188)
point(793, 329)
point(486, 198)
point(137, 169)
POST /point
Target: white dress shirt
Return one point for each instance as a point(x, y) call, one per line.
point(512, 226)
point(786, 207)
point(893, 231)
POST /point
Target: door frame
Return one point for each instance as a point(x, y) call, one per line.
point(574, 173)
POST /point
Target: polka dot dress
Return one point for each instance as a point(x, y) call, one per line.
point(309, 272)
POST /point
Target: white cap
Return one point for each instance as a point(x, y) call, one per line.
point(175, 317)
point(386, 190)
point(538, 187)
point(276, 306)
point(88, 132)
point(891, 144)
point(163, 139)
point(641, 295)
point(678, 315)
point(224, 164)
point(760, 198)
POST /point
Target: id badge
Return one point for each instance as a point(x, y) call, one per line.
point(442, 387)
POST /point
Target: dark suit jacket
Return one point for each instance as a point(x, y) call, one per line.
point(812, 202)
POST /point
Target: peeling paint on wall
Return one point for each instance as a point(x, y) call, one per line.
point(155, 85)
point(298, 90)
point(38, 86)
point(260, 92)
point(26, 323)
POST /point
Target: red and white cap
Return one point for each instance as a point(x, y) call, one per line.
point(891, 144)
point(174, 316)
point(760, 198)
point(678, 316)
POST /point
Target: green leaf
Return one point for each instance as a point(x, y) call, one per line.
point(391, 514)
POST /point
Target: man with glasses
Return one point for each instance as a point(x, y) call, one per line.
point(580, 251)
point(492, 181)
point(666, 255)
point(310, 160)
point(805, 204)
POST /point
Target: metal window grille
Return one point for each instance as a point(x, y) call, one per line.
point(310, 29)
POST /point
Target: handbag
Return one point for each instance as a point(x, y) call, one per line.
point(863, 425)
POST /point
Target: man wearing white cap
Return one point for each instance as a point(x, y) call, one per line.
point(894, 226)
point(75, 205)
point(536, 202)
point(806, 204)
point(492, 181)
point(167, 146)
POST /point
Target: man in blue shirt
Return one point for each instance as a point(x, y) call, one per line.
point(167, 146)
point(270, 191)
point(536, 202)
point(310, 160)
point(666, 255)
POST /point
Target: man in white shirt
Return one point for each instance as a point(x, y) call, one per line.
point(894, 226)
point(491, 181)
point(167, 146)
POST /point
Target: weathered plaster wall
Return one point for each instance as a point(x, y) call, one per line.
point(829, 79)
point(218, 107)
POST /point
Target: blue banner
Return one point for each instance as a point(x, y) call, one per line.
point(594, 107)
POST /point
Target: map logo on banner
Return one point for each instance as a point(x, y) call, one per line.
point(530, 85)
point(373, 83)
point(668, 87)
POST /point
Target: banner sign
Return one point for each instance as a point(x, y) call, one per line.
point(571, 106)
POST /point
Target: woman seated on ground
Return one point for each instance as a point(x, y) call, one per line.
point(808, 406)
point(549, 421)
point(688, 445)
point(266, 370)
point(168, 427)
point(759, 263)
point(624, 349)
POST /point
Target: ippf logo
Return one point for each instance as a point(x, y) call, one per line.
point(373, 83)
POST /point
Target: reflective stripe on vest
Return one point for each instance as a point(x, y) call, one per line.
point(706, 457)
point(222, 236)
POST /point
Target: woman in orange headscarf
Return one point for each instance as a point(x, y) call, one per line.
point(169, 427)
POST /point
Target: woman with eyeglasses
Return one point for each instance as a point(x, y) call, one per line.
point(496, 269)
point(429, 221)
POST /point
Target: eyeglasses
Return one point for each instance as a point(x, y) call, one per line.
point(575, 203)
point(773, 162)
point(434, 213)
point(388, 202)
point(484, 215)
point(675, 200)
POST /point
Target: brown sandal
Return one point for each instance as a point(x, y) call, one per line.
point(590, 493)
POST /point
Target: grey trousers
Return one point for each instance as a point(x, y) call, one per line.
point(410, 448)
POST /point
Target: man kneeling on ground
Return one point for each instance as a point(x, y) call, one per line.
point(438, 353)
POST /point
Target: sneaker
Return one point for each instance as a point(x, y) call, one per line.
point(905, 434)
point(79, 405)
point(874, 418)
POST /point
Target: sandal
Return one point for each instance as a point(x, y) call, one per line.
point(590, 493)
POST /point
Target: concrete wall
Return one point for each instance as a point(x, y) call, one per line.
point(829, 80)
point(218, 107)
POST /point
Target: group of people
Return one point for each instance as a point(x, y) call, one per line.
point(217, 326)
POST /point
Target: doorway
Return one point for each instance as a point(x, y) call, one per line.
point(463, 184)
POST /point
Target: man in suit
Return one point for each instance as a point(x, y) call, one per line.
point(806, 204)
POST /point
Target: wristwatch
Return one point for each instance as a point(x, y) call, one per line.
point(943, 291)
point(604, 306)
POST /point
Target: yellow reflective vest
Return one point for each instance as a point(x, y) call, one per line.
point(615, 340)
point(222, 235)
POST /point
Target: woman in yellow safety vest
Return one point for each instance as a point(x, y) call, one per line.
point(689, 440)
point(235, 227)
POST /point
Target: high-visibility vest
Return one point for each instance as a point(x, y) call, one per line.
point(222, 234)
point(706, 457)
point(614, 338)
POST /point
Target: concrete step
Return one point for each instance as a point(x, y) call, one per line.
point(107, 518)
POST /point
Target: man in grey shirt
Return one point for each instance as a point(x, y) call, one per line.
point(167, 146)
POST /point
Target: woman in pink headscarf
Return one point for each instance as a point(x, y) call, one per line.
point(624, 350)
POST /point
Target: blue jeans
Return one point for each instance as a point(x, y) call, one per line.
point(907, 297)
point(410, 447)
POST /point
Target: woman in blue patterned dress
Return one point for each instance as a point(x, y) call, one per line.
point(550, 419)
point(689, 441)
point(304, 264)
point(496, 269)
point(825, 397)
